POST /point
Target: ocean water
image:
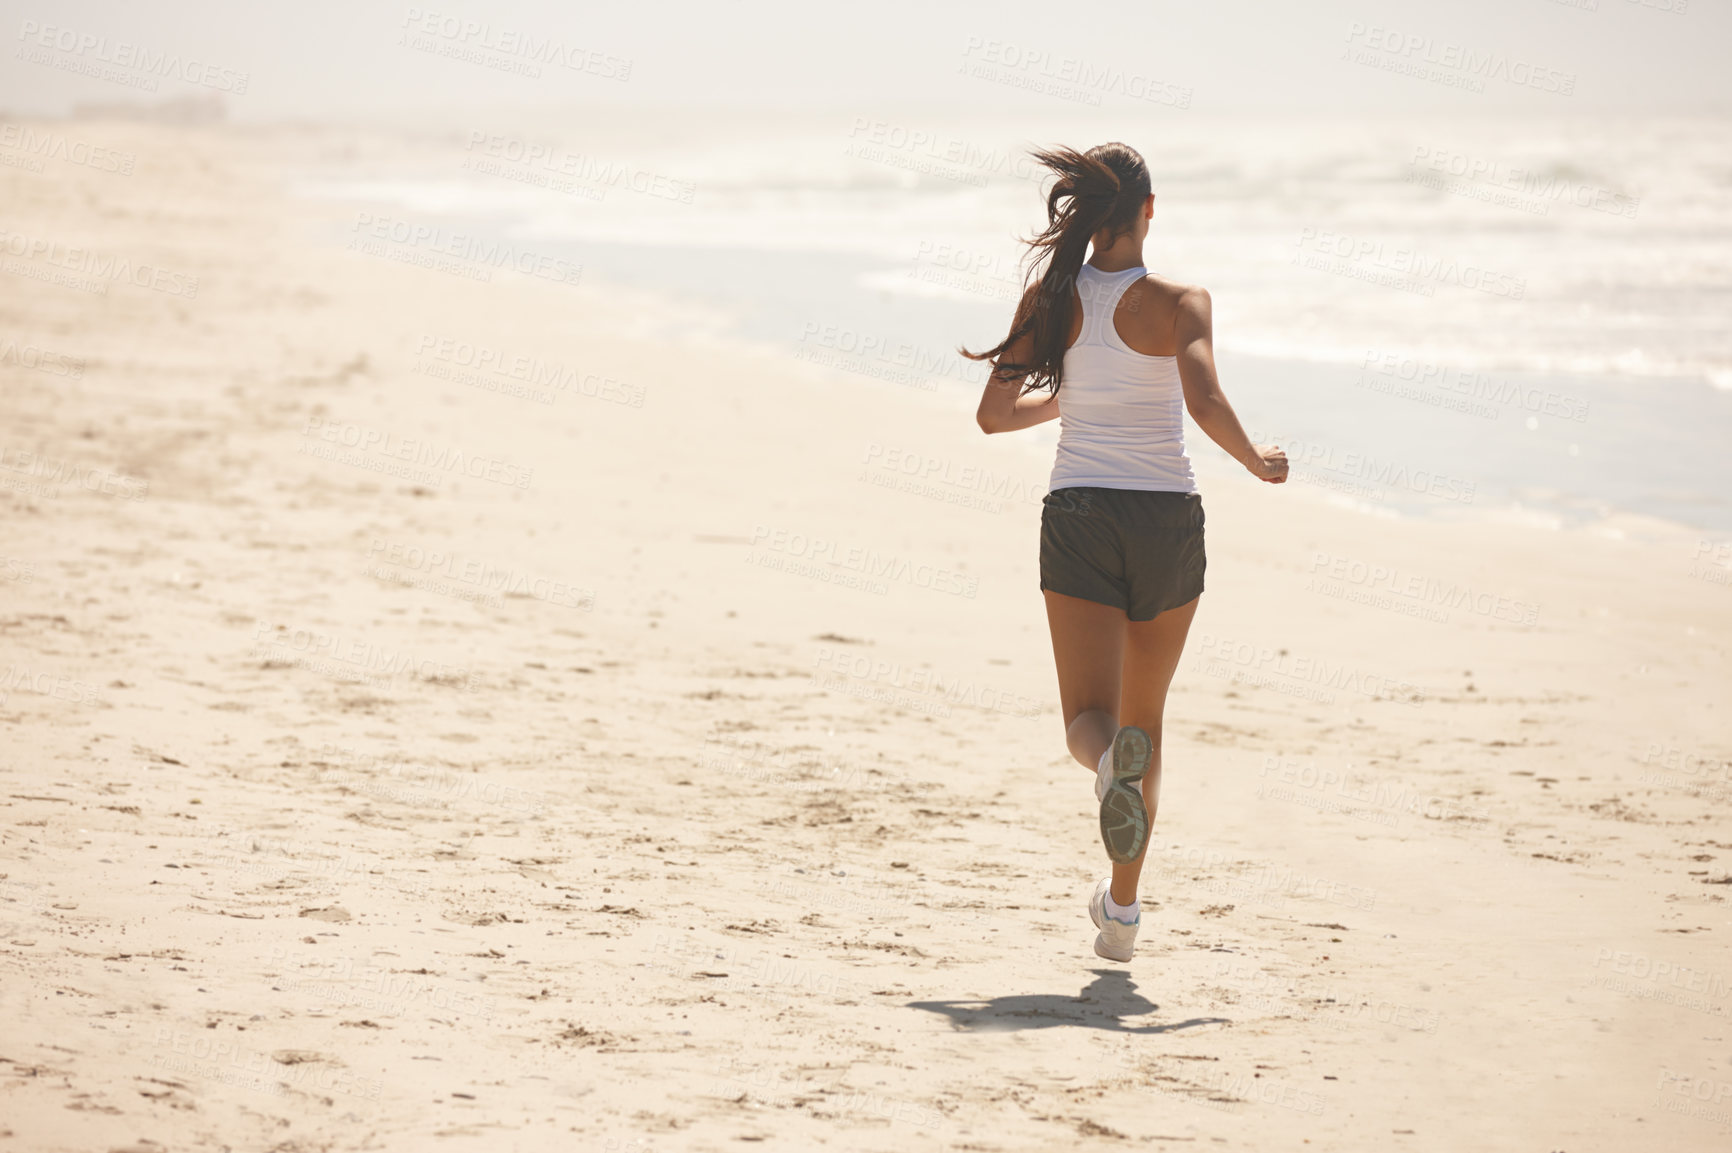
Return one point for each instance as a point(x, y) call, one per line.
point(1437, 318)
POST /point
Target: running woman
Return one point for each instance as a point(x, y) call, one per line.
point(1113, 348)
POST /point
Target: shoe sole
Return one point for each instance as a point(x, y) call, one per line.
point(1124, 819)
point(1102, 952)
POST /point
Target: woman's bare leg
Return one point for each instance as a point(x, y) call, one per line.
point(1088, 647)
point(1151, 657)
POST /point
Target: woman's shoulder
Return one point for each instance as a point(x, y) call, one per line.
point(1152, 311)
point(1156, 299)
point(1155, 285)
point(1163, 301)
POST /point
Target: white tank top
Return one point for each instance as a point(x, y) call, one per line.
point(1121, 413)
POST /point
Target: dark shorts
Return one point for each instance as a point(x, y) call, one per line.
point(1133, 549)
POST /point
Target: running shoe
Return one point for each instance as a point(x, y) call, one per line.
point(1124, 820)
point(1116, 940)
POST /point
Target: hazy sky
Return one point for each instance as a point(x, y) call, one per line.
point(325, 59)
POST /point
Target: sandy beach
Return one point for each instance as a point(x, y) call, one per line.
point(453, 703)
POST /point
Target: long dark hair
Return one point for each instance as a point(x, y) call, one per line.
point(1103, 188)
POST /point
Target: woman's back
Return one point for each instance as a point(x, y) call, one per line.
point(1121, 412)
point(1122, 564)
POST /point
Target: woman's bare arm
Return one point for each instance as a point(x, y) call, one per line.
point(1003, 407)
point(1003, 410)
point(1195, 336)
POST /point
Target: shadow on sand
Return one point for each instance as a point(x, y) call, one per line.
point(1104, 1003)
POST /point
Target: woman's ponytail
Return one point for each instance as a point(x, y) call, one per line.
point(1102, 188)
